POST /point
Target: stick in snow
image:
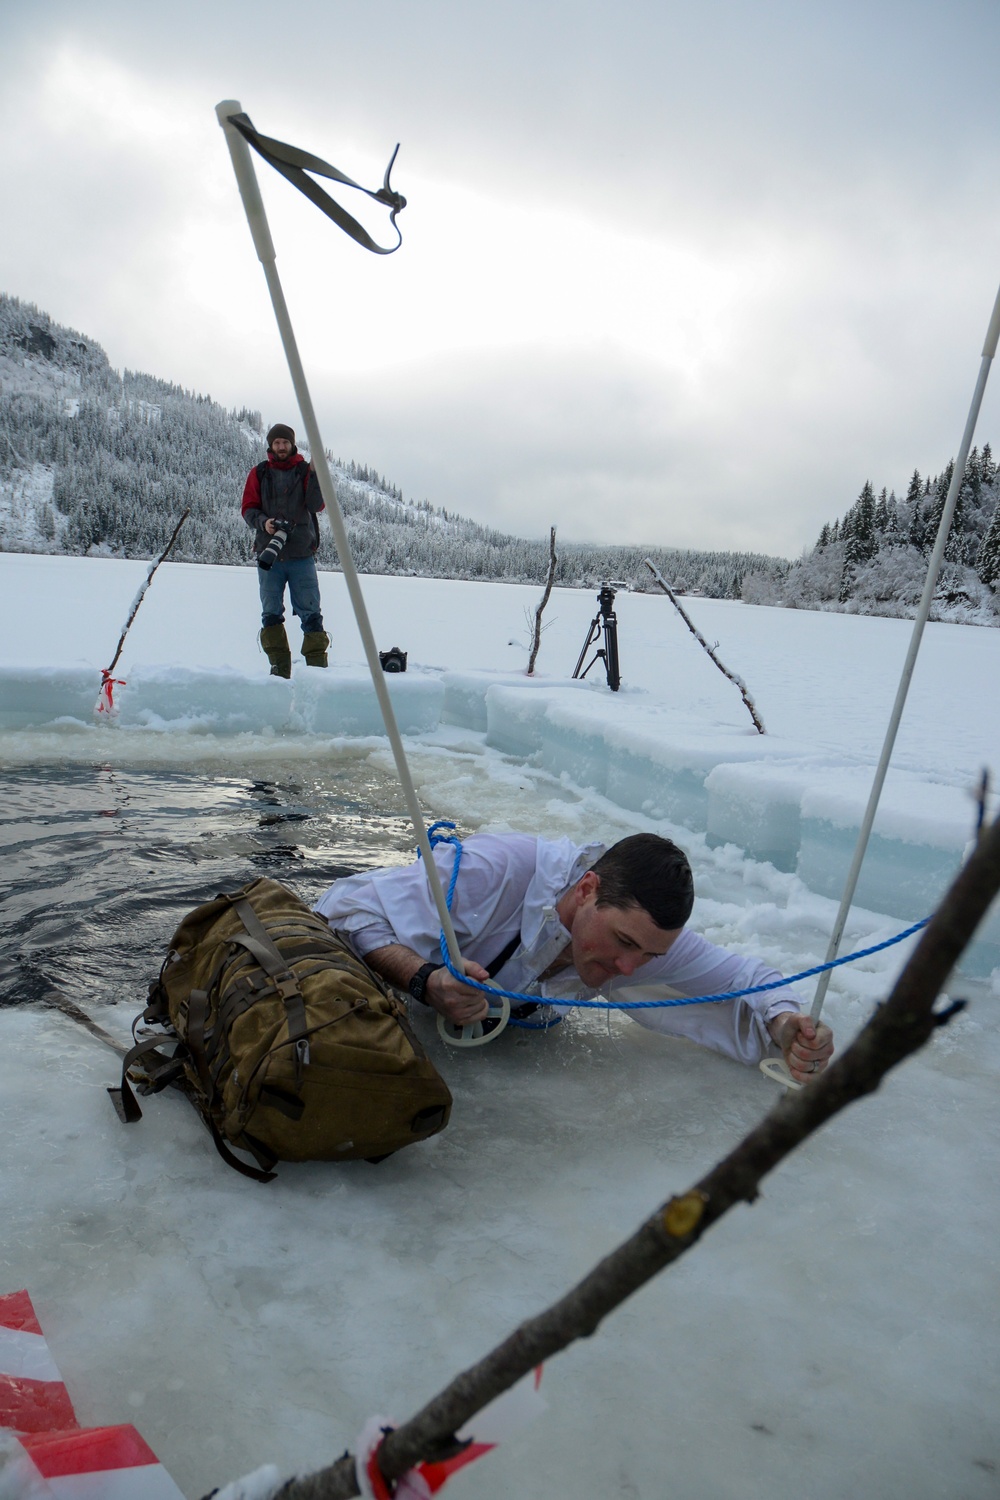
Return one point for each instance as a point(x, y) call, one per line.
point(536, 640)
point(751, 706)
point(141, 594)
point(105, 701)
point(899, 1027)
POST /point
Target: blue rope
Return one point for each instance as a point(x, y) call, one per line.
point(757, 989)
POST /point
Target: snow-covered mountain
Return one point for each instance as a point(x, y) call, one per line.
point(97, 463)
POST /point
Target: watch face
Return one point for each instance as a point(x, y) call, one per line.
point(418, 983)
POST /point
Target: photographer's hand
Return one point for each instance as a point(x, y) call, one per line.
point(270, 525)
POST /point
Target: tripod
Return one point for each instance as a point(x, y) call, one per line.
point(606, 621)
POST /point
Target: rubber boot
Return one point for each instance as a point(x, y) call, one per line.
point(314, 646)
point(275, 643)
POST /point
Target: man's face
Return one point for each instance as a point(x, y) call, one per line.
point(281, 448)
point(608, 941)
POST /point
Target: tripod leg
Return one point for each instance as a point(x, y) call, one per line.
point(611, 652)
point(592, 634)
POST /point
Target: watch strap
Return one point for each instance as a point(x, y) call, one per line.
point(418, 981)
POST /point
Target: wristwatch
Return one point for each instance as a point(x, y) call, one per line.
point(418, 983)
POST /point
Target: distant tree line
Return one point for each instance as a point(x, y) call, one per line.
point(873, 560)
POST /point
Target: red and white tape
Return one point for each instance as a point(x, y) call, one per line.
point(99, 1463)
point(106, 696)
point(44, 1453)
point(33, 1397)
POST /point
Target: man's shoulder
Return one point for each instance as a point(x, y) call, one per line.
point(500, 849)
point(491, 860)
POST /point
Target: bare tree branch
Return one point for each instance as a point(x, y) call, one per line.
point(536, 640)
point(898, 1028)
point(744, 693)
point(142, 593)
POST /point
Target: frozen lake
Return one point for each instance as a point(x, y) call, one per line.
point(839, 1337)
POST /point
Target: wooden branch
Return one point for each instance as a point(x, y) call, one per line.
point(536, 641)
point(68, 1007)
point(744, 694)
point(142, 593)
point(898, 1028)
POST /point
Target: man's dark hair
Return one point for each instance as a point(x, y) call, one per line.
point(650, 872)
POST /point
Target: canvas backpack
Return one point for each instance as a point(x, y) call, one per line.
point(286, 1042)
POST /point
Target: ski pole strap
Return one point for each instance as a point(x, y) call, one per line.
point(293, 163)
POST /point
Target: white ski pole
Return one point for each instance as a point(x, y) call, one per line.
point(772, 1067)
point(246, 179)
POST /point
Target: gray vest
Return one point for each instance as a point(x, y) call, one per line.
point(282, 495)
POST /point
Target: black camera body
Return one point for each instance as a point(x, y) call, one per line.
point(393, 660)
point(269, 556)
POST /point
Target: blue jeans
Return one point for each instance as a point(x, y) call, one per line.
point(299, 573)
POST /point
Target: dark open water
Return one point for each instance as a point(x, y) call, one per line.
point(99, 864)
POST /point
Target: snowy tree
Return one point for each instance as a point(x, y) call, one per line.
point(988, 559)
point(882, 513)
point(860, 541)
point(915, 488)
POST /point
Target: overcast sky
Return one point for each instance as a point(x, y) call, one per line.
point(672, 273)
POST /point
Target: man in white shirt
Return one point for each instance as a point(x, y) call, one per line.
point(563, 922)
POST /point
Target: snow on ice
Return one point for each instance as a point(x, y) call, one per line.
point(804, 1348)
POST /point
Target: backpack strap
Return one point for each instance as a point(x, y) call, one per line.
point(263, 1175)
point(496, 964)
point(162, 1070)
point(258, 942)
point(197, 1019)
point(527, 1007)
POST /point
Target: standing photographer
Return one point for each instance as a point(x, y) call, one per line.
point(281, 500)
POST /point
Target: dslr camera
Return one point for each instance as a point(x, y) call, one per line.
point(279, 537)
point(393, 660)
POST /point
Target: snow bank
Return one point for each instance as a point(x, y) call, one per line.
point(227, 702)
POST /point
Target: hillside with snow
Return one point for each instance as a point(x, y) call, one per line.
point(97, 463)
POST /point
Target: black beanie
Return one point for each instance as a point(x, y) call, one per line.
point(281, 430)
